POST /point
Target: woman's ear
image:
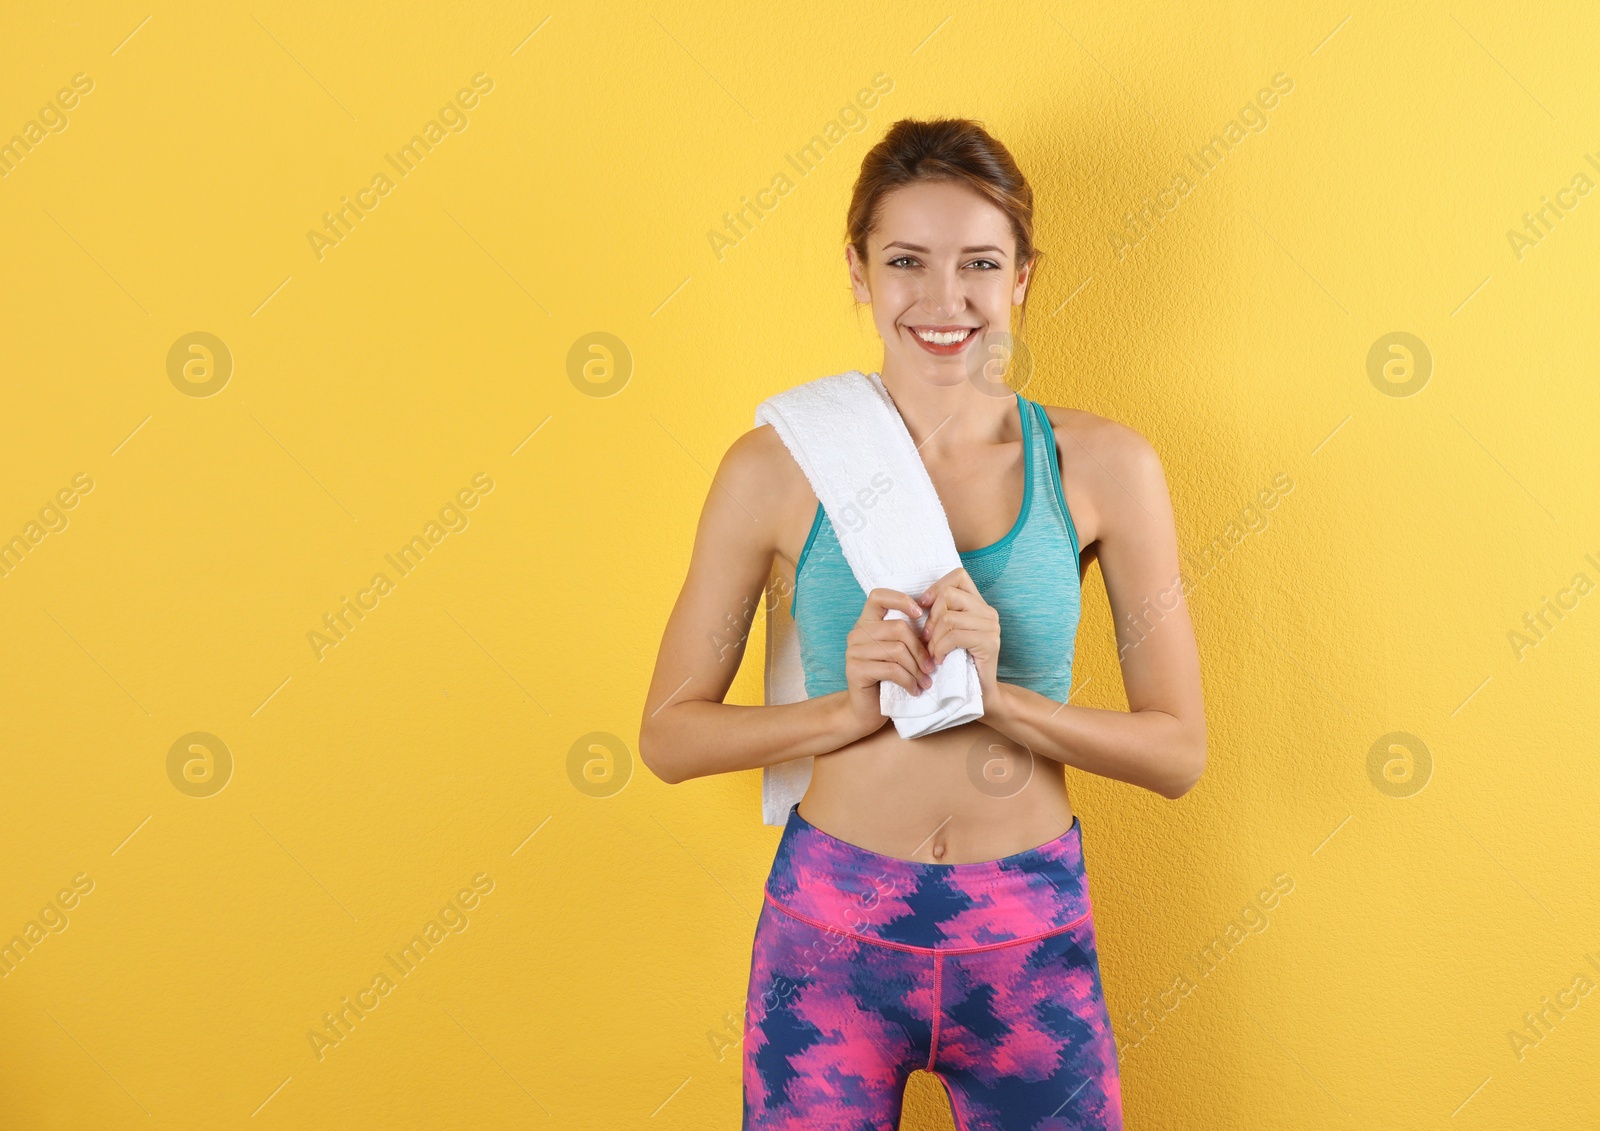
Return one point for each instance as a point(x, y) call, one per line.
point(1024, 274)
point(858, 275)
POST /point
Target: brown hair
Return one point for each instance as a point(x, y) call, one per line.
point(943, 149)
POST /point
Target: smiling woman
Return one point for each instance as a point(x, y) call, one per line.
point(974, 954)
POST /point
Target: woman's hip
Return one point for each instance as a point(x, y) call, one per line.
point(839, 887)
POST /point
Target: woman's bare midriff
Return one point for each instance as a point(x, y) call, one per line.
point(958, 796)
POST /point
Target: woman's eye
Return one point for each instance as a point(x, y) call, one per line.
point(904, 260)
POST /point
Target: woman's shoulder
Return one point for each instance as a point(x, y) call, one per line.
point(759, 458)
point(758, 470)
point(1103, 463)
point(1084, 435)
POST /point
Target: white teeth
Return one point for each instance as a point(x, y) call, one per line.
point(949, 339)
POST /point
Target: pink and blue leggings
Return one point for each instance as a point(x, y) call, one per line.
point(866, 967)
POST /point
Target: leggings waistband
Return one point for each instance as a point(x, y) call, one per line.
point(839, 886)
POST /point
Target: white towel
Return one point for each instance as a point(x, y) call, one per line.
point(850, 441)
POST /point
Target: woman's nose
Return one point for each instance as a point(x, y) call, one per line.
point(942, 296)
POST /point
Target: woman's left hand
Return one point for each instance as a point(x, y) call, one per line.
point(959, 617)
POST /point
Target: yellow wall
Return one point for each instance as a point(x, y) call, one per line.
point(595, 975)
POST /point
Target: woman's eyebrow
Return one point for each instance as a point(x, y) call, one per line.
point(924, 251)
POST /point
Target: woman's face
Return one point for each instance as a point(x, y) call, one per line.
point(941, 260)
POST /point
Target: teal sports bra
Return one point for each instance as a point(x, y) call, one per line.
point(1030, 577)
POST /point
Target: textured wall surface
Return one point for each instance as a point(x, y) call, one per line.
point(299, 831)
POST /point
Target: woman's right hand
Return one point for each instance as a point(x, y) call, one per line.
point(878, 650)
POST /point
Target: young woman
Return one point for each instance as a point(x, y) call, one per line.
point(928, 905)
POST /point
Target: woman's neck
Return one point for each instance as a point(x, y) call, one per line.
point(947, 420)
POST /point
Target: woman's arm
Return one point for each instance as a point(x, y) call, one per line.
point(687, 731)
point(1160, 741)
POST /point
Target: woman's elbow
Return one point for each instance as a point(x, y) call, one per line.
point(1191, 764)
point(652, 756)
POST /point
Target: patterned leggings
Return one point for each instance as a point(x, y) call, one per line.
point(866, 967)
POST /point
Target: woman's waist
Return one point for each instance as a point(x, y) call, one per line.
point(821, 876)
point(967, 794)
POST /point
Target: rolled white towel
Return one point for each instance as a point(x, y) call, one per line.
point(955, 696)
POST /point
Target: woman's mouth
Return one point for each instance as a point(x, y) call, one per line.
point(943, 341)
